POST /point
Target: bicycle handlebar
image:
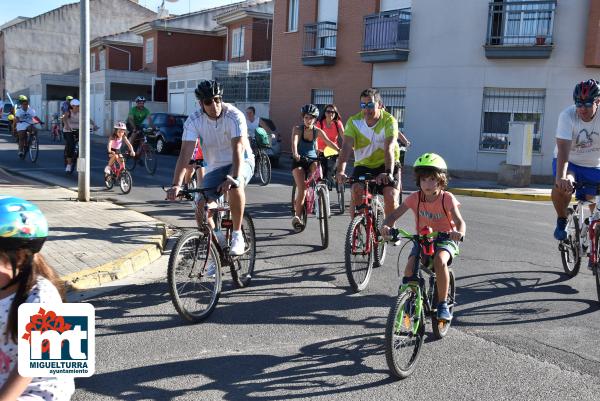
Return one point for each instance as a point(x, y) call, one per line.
point(398, 233)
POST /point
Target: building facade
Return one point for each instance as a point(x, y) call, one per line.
point(455, 74)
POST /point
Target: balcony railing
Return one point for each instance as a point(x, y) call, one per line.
point(319, 43)
point(520, 29)
point(386, 36)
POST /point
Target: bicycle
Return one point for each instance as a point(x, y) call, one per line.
point(262, 166)
point(55, 130)
point(316, 202)
point(194, 269)
point(118, 172)
point(32, 145)
point(416, 300)
point(362, 250)
point(145, 151)
point(340, 188)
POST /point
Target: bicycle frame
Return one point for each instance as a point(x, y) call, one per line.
point(594, 220)
point(368, 208)
point(120, 162)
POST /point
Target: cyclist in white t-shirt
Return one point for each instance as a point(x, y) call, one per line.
point(227, 153)
point(577, 152)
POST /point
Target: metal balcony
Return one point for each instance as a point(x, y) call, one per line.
point(520, 29)
point(386, 36)
point(319, 43)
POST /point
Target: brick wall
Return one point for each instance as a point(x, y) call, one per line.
point(291, 82)
point(262, 39)
point(592, 45)
point(118, 60)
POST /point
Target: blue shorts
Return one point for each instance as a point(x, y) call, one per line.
point(582, 174)
point(216, 177)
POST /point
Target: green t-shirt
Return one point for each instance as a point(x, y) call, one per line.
point(139, 115)
point(369, 142)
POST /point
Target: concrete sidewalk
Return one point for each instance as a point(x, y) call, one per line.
point(90, 243)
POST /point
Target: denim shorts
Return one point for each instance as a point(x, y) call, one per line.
point(216, 177)
point(447, 245)
point(584, 175)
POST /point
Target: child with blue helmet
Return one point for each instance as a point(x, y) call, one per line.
point(25, 277)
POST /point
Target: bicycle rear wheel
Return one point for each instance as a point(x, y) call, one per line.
point(596, 268)
point(569, 248)
point(402, 342)
point(359, 262)
point(323, 217)
point(125, 182)
point(194, 275)
point(441, 327)
point(380, 251)
point(264, 168)
point(243, 268)
point(33, 148)
point(150, 159)
point(293, 198)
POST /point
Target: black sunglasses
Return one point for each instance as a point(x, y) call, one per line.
point(208, 102)
point(587, 105)
point(330, 111)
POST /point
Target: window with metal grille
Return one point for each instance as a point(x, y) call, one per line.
point(393, 101)
point(502, 105)
point(321, 98)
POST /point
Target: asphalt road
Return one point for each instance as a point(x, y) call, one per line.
point(521, 329)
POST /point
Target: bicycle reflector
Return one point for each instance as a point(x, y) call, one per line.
point(426, 242)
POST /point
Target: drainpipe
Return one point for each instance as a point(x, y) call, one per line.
point(121, 50)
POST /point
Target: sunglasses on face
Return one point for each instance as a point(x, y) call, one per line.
point(208, 102)
point(370, 105)
point(587, 105)
point(330, 111)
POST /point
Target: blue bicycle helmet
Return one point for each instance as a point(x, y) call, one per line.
point(22, 225)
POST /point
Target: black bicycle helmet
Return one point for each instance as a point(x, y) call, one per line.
point(310, 109)
point(208, 89)
point(586, 91)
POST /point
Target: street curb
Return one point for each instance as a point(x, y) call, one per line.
point(119, 268)
point(482, 193)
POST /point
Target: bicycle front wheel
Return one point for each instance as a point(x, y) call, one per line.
point(380, 250)
point(194, 275)
point(404, 335)
point(323, 217)
point(33, 148)
point(358, 254)
point(264, 169)
point(569, 248)
point(441, 327)
point(150, 159)
point(243, 268)
point(130, 162)
point(596, 269)
point(125, 182)
point(340, 189)
point(109, 181)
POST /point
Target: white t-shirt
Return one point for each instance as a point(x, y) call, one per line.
point(253, 125)
point(44, 388)
point(24, 117)
point(584, 137)
point(216, 135)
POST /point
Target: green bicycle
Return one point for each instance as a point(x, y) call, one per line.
point(405, 328)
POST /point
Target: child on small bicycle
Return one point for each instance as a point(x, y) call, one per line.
point(114, 145)
point(438, 209)
point(197, 164)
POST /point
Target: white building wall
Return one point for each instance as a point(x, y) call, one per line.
point(447, 71)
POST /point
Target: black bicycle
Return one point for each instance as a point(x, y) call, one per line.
point(194, 271)
point(145, 151)
point(417, 299)
point(32, 145)
point(262, 166)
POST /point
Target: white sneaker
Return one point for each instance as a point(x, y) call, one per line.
point(68, 168)
point(237, 244)
point(107, 170)
point(211, 268)
point(221, 238)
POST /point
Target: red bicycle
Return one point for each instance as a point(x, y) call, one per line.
point(55, 130)
point(118, 172)
point(316, 202)
point(363, 250)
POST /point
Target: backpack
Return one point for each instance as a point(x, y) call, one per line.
point(262, 138)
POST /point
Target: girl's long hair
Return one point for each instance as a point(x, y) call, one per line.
point(29, 267)
point(114, 134)
point(337, 116)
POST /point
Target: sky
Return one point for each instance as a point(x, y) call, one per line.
point(10, 9)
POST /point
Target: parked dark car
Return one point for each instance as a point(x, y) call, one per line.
point(4, 113)
point(168, 138)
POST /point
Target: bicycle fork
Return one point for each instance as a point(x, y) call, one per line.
point(403, 317)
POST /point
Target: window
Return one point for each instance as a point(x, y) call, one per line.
point(393, 100)
point(93, 62)
point(149, 59)
point(500, 106)
point(292, 25)
point(237, 43)
point(321, 98)
point(102, 60)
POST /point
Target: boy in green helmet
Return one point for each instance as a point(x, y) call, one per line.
point(433, 207)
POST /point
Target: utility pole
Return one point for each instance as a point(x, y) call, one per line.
point(83, 163)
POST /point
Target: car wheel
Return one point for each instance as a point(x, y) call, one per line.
point(161, 145)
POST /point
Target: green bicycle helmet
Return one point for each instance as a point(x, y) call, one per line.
point(22, 225)
point(431, 162)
